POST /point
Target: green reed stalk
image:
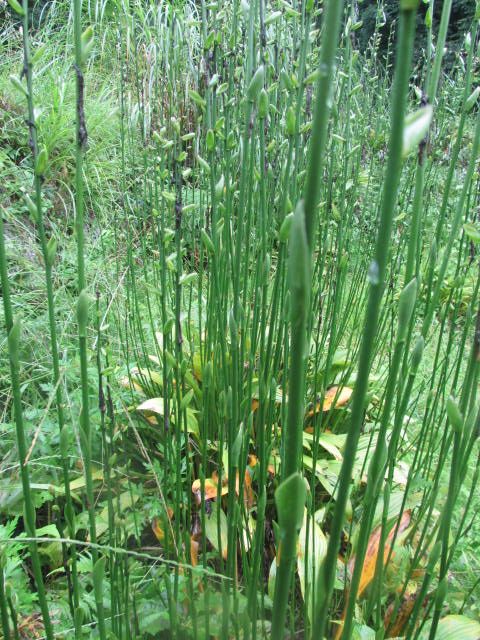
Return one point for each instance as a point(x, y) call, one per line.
point(13, 329)
point(414, 255)
point(13, 616)
point(458, 421)
point(3, 600)
point(299, 277)
point(377, 273)
point(302, 242)
point(433, 299)
point(459, 138)
point(83, 44)
point(379, 459)
point(294, 430)
point(48, 251)
point(318, 140)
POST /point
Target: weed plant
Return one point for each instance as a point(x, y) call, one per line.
point(253, 280)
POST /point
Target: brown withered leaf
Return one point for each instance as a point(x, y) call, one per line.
point(31, 627)
point(194, 546)
point(335, 397)
point(212, 484)
point(370, 562)
point(253, 461)
point(402, 617)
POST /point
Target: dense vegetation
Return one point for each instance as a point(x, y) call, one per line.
point(240, 284)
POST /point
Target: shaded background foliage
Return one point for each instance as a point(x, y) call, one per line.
point(369, 11)
point(461, 17)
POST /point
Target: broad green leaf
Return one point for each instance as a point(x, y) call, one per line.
point(273, 17)
point(211, 530)
point(362, 632)
point(454, 627)
point(79, 482)
point(48, 531)
point(331, 442)
point(125, 501)
point(311, 552)
point(154, 622)
point(192, 423)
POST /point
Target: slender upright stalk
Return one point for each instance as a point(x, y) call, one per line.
point(81, 53)
point(377, 272)
point(323, 105)
point(3, 600)
point(48, 251)
point(414, 255)
point(302, 243)
point(13, 329)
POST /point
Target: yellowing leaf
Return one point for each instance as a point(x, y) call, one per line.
point(79, 482)
point(335, 397)
point(158, 527)
point(369, 564)
point(370, 561)
point(197, 366)
point(211, 490)
point(153, 405)
point(145, 377)
point(127, 383)
point(194, 551)
point(402, 616)
point(253, 461)
point(156, 406)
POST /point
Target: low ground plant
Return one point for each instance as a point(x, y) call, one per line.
point(239, 271)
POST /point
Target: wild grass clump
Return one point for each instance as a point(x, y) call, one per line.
point(254, 413)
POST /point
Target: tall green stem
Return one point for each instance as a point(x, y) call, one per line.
point(48, 251)
point(81, 53)
point(14, 334)
point(377, 272)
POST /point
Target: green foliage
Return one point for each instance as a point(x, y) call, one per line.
point(189, 342)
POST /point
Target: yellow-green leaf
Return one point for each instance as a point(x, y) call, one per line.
point(211, 530)
point(416, 127)
point(454, 627)
point(311, 552)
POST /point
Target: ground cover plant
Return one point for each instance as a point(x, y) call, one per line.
point(240, 292)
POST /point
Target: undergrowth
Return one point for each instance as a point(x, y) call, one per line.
point(240, 283)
